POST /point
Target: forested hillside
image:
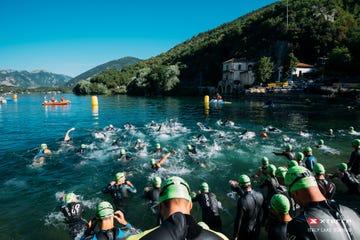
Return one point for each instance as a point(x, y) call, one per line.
point(309, 30)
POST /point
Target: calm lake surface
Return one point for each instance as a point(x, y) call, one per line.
point(30, 194)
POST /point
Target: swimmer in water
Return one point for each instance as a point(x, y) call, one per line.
point(67, 136)
point(156, 165)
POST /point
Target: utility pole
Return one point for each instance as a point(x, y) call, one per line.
point(287, 15)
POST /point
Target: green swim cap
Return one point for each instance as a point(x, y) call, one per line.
point(355, 142)
point(157, 146)
point(122, 151)
point(321, 142)
point(70, 198)
point(174, 187)
point(319, 168)
point(343, 167)
point(244, 180)
point(271, 169)
point(119, 176)
point(299, 156)
point(280, 172)
point(307, 149)
point(83, 146)
point(280, 203)
point(351, 128)
point(43, 146)
point(264, 161)
point(292, 163)
point(104, 209)
point(288, 147)
point(204, 187)
point(330, 130)
point(299, 177)
point(157, 182)
point(139, 140)
point(152, 161)
point(189, 147)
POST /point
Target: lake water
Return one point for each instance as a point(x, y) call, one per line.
point(30, 194)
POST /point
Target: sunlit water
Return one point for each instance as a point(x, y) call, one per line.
point(30, 193)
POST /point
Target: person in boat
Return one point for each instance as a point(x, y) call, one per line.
point(155, 165)
point(62, 99)
point(218, 96)
point(105, 218)
point(67, 135)
point(119, 189)
point(73, 210)
point(53, 98)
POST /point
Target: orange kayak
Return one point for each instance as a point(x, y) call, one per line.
point(66, 102)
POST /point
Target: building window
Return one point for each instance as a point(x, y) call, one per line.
point(239, 67)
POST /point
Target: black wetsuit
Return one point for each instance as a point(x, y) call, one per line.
point(327, 188)
point(248, 215)
point(354, 163)
point(276, 229)
point(112, 234)
point(351, 182)
point(73, 217)
point(289, 155)
point(178, 227)
point(322, 220)
point(153, 196)
point(210, 209)
point(119, 193)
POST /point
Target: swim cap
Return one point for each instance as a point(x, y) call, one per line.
point(43, 146)
point(157, 146)
point(174, 187)
point(299, 177)
point(292, 163)
point(189, 147)
point(288, 147)
point(319, 168)
point(355, 142)
point(111, 126)
point(119, 176)
point(139, 140)
point(83, 146)
point(343, 167)
point(331, 131)
point(264, 161)
point(122, 151)
point(351, 128)
point(280, 172)
point(157, 182)
point(105, 209)
point(204, 187)
point(271, 169)
point(307, 149)
point(70, 198)
point(299, 156)
point(321, 142)
point(280, 203)
point(244, 180)
point(152, 161)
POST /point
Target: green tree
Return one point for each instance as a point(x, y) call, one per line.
point(338, 59)
point(290, 65)
point(263, 70)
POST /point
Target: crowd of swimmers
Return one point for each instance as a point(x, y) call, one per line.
point(300, 202)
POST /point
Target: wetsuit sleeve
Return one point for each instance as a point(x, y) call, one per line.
point(131, 188)
point(238, 218)
point(278, 154)
point(195, 198)
point(107, 188)
point(351, 161)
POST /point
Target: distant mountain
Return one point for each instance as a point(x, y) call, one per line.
point(115, 64)
point(34, 79)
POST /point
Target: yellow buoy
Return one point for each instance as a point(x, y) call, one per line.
point(94, 101)
point(206, 99)
point(14, 96)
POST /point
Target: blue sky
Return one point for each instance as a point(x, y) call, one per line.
point(72, 36)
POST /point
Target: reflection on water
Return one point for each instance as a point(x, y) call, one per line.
point(227, 141)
